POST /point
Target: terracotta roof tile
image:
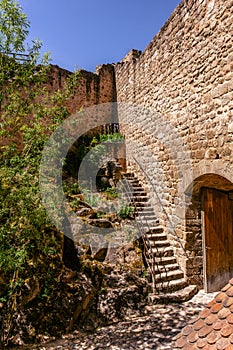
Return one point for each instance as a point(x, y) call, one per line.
point(201, 343)
point(211, 303)
point(218, 325)
point(189, 347)
point(204, 313)
point(224, 313)
point(198, 325)
point(212, 337)
point(224, 289)
point(209, 347)
point(187, 330)
point(211, 319)
point(222, 343)
point(216, 308)
point(230, 292)
point(220, 297)
point(193, 337)
point(203, 332)
point(230, 347)
point(213, 329)
point(227, 330)
point(228, 301)
point(230, 319)
point(181, 342)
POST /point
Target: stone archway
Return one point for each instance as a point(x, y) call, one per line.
point(209, 231)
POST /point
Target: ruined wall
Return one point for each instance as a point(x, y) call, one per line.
point(185, 79)
point(92, 88)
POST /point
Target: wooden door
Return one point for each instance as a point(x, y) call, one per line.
point(218, 238)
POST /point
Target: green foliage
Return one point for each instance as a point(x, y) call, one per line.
point(111, 193)
point(110, 137)
point(126, 211)
point(29, 112)
point(13, 26)
point(93, 199)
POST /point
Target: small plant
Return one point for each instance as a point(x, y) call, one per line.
point(127, 211)
point(144, 274)
point(111, 193)
point(91, 198)
point(116, 136)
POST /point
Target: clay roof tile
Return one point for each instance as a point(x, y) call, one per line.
point(222, 343)
point(201, 343)
point(212, 337)
point(204, 313)
point(213, 329)
point(228, 301)
point(223, 313)
point(230, 318)
point(230, 291)
point(203, 332)
point(220, 297)
point(224, 289)
point(227, 330)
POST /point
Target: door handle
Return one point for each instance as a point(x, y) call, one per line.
point(207, 248)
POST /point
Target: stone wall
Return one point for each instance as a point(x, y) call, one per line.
point(183, 128)
point(92, 88)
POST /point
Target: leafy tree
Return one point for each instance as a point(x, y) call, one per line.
point(29, 112)
point(14, 27)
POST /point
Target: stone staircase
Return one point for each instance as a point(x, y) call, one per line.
point(167, 277)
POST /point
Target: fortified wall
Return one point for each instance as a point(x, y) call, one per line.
point(184, 80)
point(176, 111)
point(92, 88)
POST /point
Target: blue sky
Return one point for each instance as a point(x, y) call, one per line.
point(86, 33)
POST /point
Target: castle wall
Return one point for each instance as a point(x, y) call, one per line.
point(92, 88)
point(181, 127)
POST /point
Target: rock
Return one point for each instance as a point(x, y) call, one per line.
point(104, 223)
point(129, 254)
point(101, 254)
point(85, 212)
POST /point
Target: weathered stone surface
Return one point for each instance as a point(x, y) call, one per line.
point(185, 75)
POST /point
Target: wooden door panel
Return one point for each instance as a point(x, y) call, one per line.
point(218, 238)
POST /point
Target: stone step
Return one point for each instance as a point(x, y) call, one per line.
point(132, 181)
point(163, 251)
point(147, 213)
point(178, 296)
point(156, 237)
point(169, 276)
point(147, 208)
point(144, 216)
point(141, 204)
point(166, 268)
point(139, 199)
point(128, 174)
point(171, 286)
point(165, 260)
point(150, 219)
point(160, 244)
point(134, 193)
point(155, 230)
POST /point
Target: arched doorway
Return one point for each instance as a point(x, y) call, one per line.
point(212, 200)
